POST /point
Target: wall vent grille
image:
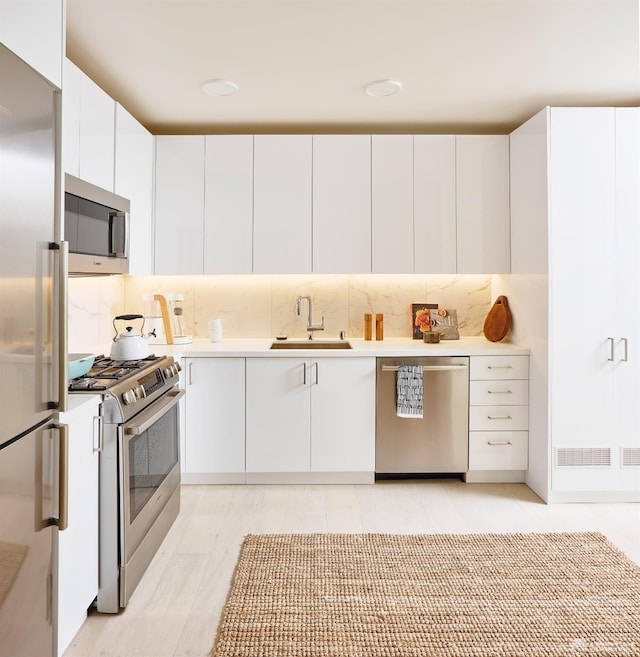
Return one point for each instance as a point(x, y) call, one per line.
point(583, 457)
point(630, 457)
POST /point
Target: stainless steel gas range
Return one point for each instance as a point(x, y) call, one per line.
point(139, 467)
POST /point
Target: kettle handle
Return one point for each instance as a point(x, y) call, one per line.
point(126, 318)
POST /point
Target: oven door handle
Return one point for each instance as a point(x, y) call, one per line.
point(153, 414)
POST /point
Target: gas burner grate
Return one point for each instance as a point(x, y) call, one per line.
point(107, 371)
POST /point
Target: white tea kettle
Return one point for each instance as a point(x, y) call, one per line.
point(130, 345)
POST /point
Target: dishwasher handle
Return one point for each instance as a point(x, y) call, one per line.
point(428, 368)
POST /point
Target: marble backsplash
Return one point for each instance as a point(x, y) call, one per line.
point(264, 306)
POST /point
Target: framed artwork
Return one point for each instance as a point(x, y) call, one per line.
point(421, 314)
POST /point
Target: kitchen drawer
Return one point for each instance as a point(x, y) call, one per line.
point(498, 367)
point(498, 418)
point(501, 391)
point(498, 450)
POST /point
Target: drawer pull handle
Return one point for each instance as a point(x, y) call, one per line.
point(495, 443)
point(499, 417)
point(499, 367)
point(499, 392)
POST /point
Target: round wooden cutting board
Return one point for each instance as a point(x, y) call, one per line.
point(498, 321)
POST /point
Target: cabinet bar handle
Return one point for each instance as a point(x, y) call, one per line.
point(499, 367)
point(190, 374)
point(99, 420)
point(499, 392)
point(304, 374)
point(625, 343)
point(612, 349)
point(427, 368)
point(495, 443)
point(499, 417)
point(316, 365)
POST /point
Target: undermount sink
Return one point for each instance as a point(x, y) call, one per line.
point(311, 344)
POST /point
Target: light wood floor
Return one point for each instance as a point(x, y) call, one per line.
point(176, 608)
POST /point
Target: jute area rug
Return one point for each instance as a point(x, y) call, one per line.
point(366, 595)
point(11, 557)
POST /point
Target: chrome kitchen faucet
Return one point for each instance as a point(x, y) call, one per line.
point(310, 327)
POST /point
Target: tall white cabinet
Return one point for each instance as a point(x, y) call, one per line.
point(574, 176)
point(34, 31)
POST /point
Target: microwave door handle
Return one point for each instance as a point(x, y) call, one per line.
point(121, 220)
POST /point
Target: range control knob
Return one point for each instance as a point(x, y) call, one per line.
point(129, 397)
point(140, 392)
point(170, 371)
point(178, 367)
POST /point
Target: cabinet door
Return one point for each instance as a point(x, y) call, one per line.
point(282, 204)
point(71, 91)
point(582, 172)
point(342, 204)
point(33, 30)
point(343, 414)
point(435, 204)
point(214, 416)
point(134, 180)
point(482, 198)
point(278, 412)
point(179, 220)
point(78, 544)
point(627, 277)
point(97, 134)
point(228, 204)
point(392, 204)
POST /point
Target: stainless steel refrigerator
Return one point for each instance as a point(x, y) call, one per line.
point(32, 358)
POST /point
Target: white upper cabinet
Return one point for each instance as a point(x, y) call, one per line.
point(97, 135)
point(342, 204)
point(529, 200)
point(33, 30)
point(228, 204)
point(134, 181)
point(179, 217)
point(482, 198)
point(392, 204)
point(282, 204)
point(88, 129)
point(71, 91)
point(434, 185)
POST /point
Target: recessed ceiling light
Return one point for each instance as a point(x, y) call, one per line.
point(383, 87)
point(220, 87)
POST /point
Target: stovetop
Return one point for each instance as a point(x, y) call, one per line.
point(106, 372)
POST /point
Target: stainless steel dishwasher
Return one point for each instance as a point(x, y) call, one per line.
point(437, 443)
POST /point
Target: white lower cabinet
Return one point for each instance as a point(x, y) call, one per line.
point(77, 546)
point(311, 418)
point(498, 418)
point(214, 447)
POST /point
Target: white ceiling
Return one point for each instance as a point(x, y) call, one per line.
point(301, 65)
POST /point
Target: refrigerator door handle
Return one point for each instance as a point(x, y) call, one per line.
point(62, 521)
point(63, 478)
point(43, 478)
point(61, 250)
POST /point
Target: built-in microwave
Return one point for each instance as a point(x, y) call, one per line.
point(96, 226)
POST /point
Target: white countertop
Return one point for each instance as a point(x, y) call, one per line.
point(400, 347)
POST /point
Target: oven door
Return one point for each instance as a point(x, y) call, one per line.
point(149, 486)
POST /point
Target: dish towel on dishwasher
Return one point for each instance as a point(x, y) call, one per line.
point(409, 391)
